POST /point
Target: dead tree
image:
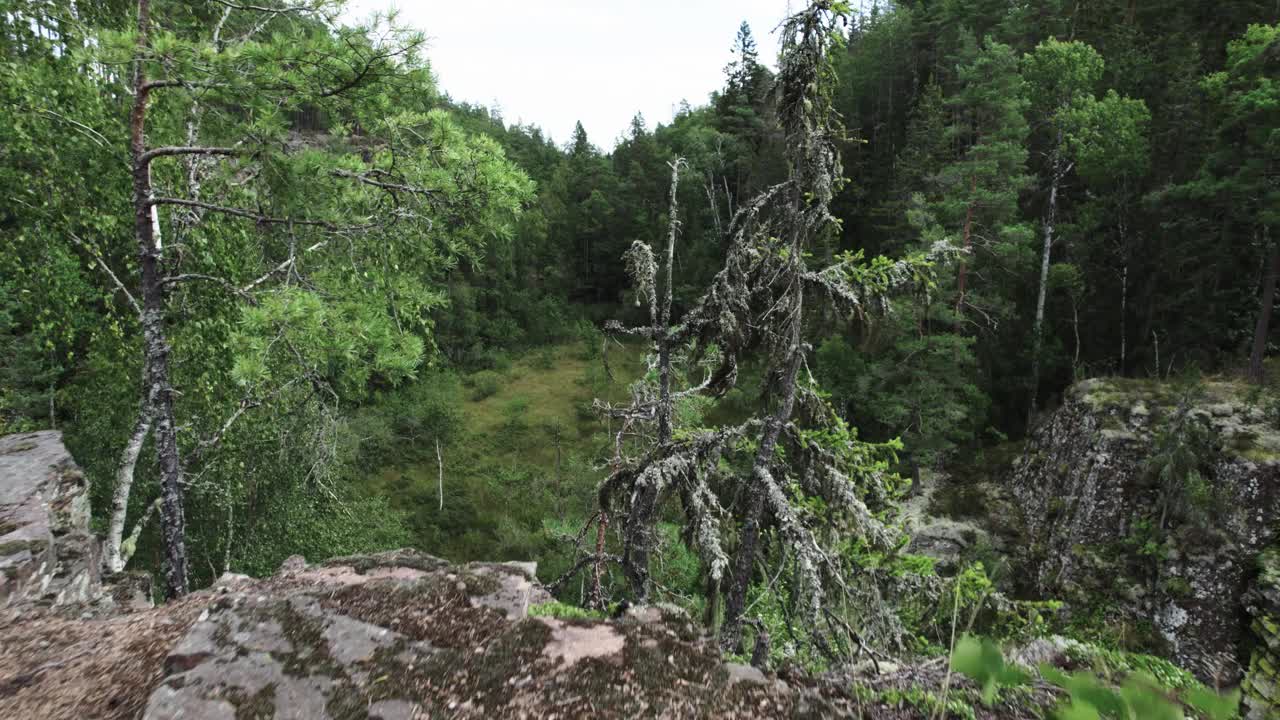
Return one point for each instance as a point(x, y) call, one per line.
point(797, 447)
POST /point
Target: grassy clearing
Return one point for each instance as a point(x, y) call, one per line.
point(525, 454)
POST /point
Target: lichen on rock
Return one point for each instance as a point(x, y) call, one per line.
point(1096, 533)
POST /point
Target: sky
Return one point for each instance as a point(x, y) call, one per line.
point(552, 63)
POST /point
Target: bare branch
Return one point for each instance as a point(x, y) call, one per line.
point(154, 153)
point(291, 10)
point(258, 217)
point(153, 84)
point(186, 277)
point(282, 267)
point(133, 302)
point(367, 179)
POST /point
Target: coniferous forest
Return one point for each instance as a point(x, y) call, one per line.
point(283, 295)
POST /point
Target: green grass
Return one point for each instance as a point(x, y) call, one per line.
point(501, 483)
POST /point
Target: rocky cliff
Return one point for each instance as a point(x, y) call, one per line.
point(47, 553)
point(1095, 489)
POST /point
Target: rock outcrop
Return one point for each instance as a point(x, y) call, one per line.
point(404, 635)
point(47, 552)
point(1091, 514)
point(945, 539)
point(1262, 681)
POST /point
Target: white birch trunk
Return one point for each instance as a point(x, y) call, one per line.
point(112, 556)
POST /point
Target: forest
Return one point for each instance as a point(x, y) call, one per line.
point(282, 295)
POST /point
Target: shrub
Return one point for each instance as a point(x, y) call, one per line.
point(516, 413)
point(544, 359)
point(590, 338)
point(485, 384)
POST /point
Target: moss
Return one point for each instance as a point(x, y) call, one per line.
point(1177, 587)
point(310, 655)
point(484, 583)
point(222, 635)
point(393, 673)
point(346, 702)
point(556, 609)
point(1259, 454)
point(1115, 665)
point(18, 448)
point(391, 678)
point(17, 546)
point(413, 559)
point(258, 706)
point(435, 609)
point(512, 654)
point(956, 703)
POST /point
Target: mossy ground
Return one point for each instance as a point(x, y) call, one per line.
point(523, 455)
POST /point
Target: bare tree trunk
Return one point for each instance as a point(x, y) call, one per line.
point(440, 464)
point(158, 391)
point(1263, 327)
point(1124, 312)
point(639, 532)
point(1037, 342)
point(1124, 288)
point(112, 558)
point(1075, 326)
point(597, 591)
point(963, 277)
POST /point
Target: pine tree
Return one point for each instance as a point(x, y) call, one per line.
point(980, 201)
point(1245, 160)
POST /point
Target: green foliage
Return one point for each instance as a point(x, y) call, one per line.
point(1168, 112)
point(982, 661)
point(1061, 74)
point(920, 390)
point(1088, 696)
point(484, 384)
point(1140, 697)
point(563, 611)
point(1183, 451)
point(1107, 137)
point(928, 702)
point(515, 412)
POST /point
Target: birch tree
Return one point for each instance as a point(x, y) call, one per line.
point(1061, 75)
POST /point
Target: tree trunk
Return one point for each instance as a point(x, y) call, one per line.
point(963, 277)
point(1124, 287)
point(158, 391)
point(597, 591)
point(1262, 329)
point(1037, 341)
point(644, 500)
point(112, 557)
point(745, 560)
point(1124, 312)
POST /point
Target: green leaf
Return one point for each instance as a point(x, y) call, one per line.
point(1217, 706)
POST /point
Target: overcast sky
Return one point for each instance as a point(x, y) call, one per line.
point(554, 62)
